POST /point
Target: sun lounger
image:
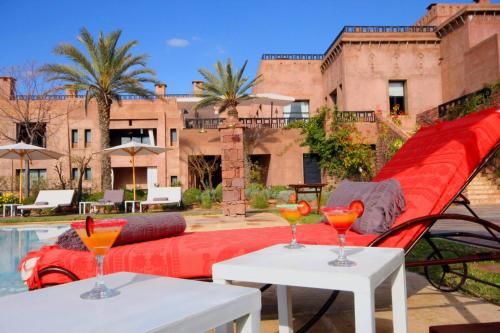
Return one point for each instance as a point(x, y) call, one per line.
point(111, 198)
point(50, 199)
point(162, 196)
point(433, 168)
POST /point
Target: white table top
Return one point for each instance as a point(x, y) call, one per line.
point(308, 267)
point(146, 304)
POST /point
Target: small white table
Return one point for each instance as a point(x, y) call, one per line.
point(12, 208)
point(132, 204)
point(147, 303)
point(82, 206)
point(308, 267)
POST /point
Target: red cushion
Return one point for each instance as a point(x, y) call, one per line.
point(187, 256)
point(434, 165)
point(431, 167)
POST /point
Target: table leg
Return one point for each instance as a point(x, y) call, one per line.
point(399, 307)
point(133, 207)
point(364, 312)
point(249, 323)
point(318, 200)
point(12, 211)
point(228, 327)
point(3, 210)
point(285, 313)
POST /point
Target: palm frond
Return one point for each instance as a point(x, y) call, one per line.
point(225, 87)
point(103, 69)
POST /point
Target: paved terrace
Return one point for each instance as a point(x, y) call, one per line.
point(426, 305)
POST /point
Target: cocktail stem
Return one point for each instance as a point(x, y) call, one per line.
point(99, 270)
point(294, 231)
point(341, 249)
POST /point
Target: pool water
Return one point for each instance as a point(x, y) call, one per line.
point(14, 244)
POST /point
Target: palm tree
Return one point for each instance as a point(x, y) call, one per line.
point(225, 89)
point(104, 71)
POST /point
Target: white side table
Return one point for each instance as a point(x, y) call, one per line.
point(308, 267)
point(147, 303)
point(132, 205)
point(82, 207)
point(12, 207)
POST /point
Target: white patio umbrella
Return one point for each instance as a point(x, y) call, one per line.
point(23, 151)
point(133, 149)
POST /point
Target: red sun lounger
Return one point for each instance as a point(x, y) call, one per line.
point(433, 167)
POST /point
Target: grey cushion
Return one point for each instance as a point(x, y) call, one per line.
point(384, 202)
point(161, 199)
point(41, 203)
point(139, 228)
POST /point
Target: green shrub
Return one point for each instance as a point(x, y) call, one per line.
point(191, 196)
point(260, 201)
point(218, 193)
point(140, 195)
point(206, 200)
point(252, 189)
point(284, 195)
point(90, 197)
point(275, 191)
point(8, 198)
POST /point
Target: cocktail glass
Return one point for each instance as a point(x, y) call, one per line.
point(99, 236)
point(341, 218)
point(291, 213)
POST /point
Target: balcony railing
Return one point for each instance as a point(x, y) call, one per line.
point(357, 116)
point(123, 97)
point(444, 108)
point(380, 29)
point(213, 123)
point(269, 122)
point(206, 123)
point(291, 56)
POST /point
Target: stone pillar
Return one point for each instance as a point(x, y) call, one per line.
point(233, 168)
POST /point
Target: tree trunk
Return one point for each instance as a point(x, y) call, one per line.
point(104, 109)
point(79, 190)
point(232, 115)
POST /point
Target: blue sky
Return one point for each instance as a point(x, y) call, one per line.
point(182, 36)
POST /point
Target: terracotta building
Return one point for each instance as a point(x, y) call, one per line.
point(406, 71)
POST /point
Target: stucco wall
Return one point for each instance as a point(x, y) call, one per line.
point(482, 63)
point(300, 79)
point(369, 68)
point(455, 48)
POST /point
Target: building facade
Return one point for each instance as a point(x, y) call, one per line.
point(403, 71)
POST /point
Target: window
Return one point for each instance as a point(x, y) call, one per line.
point(87, 175)
point(143, 135)
point(333, 96)
point(397, 97)
point(36, 175)
point(74, 138)
point(297, 110)
point(88, 138)
point(74, 173)
point(174, 181)
point(173, 136)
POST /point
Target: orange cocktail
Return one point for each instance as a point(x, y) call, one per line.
point(98, 236)
point(342, 218)
point(292, 214)
point(101, 240)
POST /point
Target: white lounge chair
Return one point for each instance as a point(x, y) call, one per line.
point(161, 196)
point(50, 199)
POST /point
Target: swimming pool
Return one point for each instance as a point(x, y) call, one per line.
point(14, 244)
